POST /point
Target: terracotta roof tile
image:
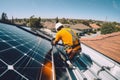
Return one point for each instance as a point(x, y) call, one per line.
point(94, 26)
point(49, 24)
point(79, 26)
point(108, 44)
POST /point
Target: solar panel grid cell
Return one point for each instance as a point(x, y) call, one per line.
point(3, 67)
point(14, 76)
point(3, 46)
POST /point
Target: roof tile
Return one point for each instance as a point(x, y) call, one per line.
point(108, 45)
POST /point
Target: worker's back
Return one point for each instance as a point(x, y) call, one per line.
point(66, 36)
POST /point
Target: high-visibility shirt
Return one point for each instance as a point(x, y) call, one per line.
point(66, 37)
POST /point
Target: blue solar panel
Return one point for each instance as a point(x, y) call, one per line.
point(21, 54)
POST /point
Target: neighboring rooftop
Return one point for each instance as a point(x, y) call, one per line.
point(49, 25)
point(94, 26)
point(80, 26)
point(108, 45)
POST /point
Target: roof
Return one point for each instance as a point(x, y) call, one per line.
point(77, 31)
point(66, 25)
point(29, 56)
point(108, 45)
point(80, 26)
point(94, 26)
point(49, 24)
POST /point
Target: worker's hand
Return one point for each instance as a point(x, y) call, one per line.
point(52, 42)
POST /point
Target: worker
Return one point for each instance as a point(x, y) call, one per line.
point(69, 38)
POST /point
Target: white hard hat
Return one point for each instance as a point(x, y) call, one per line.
point(58, 25)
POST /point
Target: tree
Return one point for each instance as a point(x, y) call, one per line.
point(12, 20)
point(56, 20)
point(16, 20)
point(4, 17)
point(64, 21)
point(86, 23)
point(108, 28)
point(39, 19)
point(35, 22)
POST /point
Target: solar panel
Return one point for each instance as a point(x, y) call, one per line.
point(21, 54)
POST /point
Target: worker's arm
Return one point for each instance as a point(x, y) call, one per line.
point(57, 38)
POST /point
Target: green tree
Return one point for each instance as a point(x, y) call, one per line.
point(108, 28)
point(86, 23)
point(64, 21)
point(71, 21)
point(16, 20)
point(35, 22)
point(24, 19)
point(4, 17)
point(117, 29)
point(56, 20)
point(12, 21)
point(39, 19)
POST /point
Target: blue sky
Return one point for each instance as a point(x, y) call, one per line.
point(78, 9)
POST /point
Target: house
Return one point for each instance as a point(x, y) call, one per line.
point(94, 26)
point(49, 25)
point(81, 28)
